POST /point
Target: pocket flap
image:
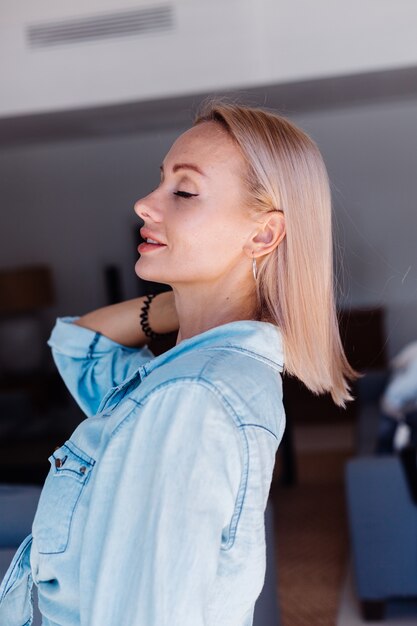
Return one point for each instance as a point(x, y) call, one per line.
point(69, 473)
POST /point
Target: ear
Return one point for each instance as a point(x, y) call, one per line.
point(266, 237)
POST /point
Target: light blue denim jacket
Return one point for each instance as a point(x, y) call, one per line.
point(152, 513)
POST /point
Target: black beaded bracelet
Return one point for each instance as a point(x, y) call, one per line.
point(144, 317)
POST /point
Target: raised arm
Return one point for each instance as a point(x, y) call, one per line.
point(120, 322)
point(99, 350)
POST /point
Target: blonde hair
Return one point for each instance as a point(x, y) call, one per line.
point(285, 171)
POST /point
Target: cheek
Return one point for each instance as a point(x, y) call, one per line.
point(216, 244)
point(210, 233)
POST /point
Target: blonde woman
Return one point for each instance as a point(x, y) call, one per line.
point(153, 511)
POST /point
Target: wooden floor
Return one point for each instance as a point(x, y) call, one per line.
point(312, 540)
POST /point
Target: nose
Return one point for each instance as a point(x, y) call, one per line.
point(146, 209)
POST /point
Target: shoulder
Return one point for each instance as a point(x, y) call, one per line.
point(180, 416)
point(184, 395)
point(251, 386)
point(247, 389)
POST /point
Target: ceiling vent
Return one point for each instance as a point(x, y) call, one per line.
point(108, 26)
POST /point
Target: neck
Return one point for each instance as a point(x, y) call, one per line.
point(202, 307)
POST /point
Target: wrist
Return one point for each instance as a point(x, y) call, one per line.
point(143, 316)
point(160, 314)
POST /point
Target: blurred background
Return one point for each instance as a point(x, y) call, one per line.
point(93, 94)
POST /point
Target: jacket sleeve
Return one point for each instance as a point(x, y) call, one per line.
point(163, 498)
point(90, 363)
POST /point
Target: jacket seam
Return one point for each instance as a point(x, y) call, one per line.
point(250, 353)
point(182, 379)
point(82, 456)
point(241, 494)
point(92, 345)
point(89, 349)
point(259, 426)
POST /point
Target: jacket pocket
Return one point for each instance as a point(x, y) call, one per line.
point(68, 475)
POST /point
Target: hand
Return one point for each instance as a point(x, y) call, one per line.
point(121, 322)
point(162, 315)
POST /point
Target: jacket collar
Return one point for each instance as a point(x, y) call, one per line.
point(260, 340)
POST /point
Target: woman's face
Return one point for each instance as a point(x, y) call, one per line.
point(199, 216)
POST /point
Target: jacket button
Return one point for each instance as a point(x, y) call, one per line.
point(60, 462)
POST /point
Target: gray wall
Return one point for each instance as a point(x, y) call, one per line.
point(71, 205)
point(371, 155)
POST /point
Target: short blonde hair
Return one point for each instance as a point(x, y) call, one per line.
point(285, 171)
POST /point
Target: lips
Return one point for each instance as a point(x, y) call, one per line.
point(147, 234)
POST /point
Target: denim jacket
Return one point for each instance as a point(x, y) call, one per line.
point(152, 513)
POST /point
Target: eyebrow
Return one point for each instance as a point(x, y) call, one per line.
point(184, 166)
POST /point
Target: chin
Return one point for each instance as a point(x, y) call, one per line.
point(148, 274)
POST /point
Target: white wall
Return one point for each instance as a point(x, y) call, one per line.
point(213, 45)
point(71, 205)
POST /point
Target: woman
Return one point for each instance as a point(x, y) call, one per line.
point(153, 511)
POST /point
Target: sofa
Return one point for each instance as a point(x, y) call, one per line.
point(382, 514)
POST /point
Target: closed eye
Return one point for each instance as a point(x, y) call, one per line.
point(184, 194)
